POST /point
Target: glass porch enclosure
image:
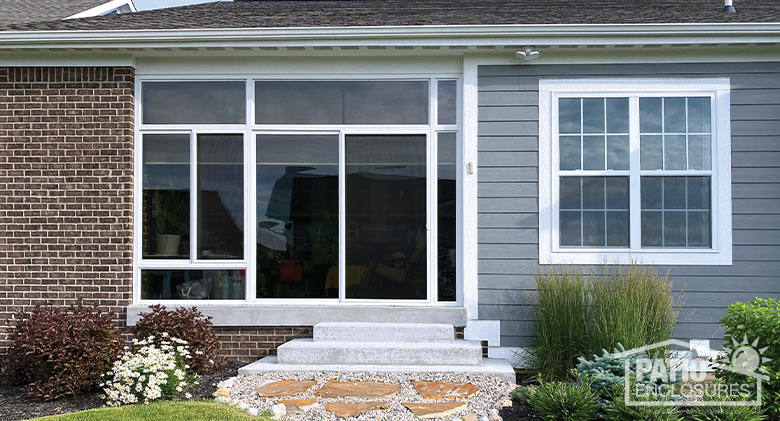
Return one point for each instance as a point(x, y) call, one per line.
point(350, 187)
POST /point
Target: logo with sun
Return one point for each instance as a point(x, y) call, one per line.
point(744, 357)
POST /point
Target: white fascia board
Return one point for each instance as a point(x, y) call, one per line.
point(455, 35)
point(103, 9)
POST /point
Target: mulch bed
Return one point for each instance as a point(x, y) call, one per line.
point(15, 404)
point(518, 412)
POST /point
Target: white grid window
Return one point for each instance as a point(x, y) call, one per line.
point(634, 171)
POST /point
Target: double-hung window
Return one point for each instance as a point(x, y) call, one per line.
point(634, 171)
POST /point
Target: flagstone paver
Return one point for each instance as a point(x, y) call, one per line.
point(445, 390)
point(357, 389)
point(354, 409)
point(435, 409)
point(284, 388)
point(296, 406)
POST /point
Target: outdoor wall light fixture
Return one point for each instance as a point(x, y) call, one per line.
point(527, 54)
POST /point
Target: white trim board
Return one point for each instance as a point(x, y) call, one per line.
point(450, 35)
point(122, 6)
point(718, 89)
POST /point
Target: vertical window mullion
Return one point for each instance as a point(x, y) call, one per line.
point(250, 199)
point(193, 197)
point(635, 198)
point(342, 219)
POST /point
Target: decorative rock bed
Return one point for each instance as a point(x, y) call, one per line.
point(306, 396)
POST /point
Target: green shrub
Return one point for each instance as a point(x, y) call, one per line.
point(617, 410)
point(630, 305)
point(757, 320)
point(583, 314)
point(187, 324)
point(561, 330)
point(724, 413)
point(59, 353)
point(523, 394)
point(560, 401)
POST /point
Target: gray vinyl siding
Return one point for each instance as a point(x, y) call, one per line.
point(508, 194)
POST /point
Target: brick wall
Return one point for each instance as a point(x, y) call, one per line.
point(249, 344)
point(66, 188)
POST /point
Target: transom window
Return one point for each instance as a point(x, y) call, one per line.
point(298, 189)
point(635, 170)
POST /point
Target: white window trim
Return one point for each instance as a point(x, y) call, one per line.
point(250, 130)
point(717, 88)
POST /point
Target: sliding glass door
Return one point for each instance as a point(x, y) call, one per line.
point(386, 217)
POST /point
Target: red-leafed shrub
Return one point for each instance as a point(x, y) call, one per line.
point(61, 352)
point(188, 324)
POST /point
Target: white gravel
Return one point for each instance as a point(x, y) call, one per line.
point(492, 392)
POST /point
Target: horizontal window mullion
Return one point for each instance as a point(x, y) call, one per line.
point(187, 264)
point(676, 173)
point(593, 173)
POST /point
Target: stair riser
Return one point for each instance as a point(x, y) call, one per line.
point(379, 355)
point(382, 332)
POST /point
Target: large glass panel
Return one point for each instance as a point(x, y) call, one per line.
point(676, 212)
point(594, 211)
point(447, 214)
point(193, 102)
point(447, 100)
point(220, 196)
point(166, 196)
point(193, 284)
point(297, 216)
point(341, 102)
point(386, 235)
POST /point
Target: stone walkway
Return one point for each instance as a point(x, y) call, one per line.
point(365, 396)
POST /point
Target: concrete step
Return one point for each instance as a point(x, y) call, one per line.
point(307, 351)
point(493, 367)
point(383, 332)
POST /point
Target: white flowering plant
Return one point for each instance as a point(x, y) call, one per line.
point(154, 368)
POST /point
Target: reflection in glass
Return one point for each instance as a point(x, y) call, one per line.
point(676, 212)
point(447, 214)
point(593, 115)
point(220, 196)
point(386, 235)
point(569, 115)
point(166, 196)
point(193, 284)
point(447, 100)
point(194, 102)
point(341, 102)
point(594, 212)
point(297, 216)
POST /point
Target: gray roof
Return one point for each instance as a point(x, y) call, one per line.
point(23, 11)
point(327, 13)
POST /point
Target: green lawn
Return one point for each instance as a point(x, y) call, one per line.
point(168, 411)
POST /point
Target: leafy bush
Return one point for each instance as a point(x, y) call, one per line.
point(157, 368)
point(617, 410)
point(582, 314)
point(757, 320)
point(523, 394)
point(58, 353)
point(560, 401)
point(630, 305)
point(190, 325)
point(561, 330)
point(724, 413)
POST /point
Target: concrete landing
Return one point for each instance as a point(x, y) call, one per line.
point(492, 367)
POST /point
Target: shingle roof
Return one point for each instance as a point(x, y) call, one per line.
point(328, 13)
point(23, 11)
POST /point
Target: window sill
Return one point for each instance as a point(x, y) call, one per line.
point(674, 257)
point(242, 314)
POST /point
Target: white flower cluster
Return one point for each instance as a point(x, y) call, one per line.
point(153, 368)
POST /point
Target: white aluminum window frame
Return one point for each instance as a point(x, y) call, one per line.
point(250, 130)
point(717, 89)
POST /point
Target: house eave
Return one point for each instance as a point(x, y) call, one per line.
point(442, 36)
